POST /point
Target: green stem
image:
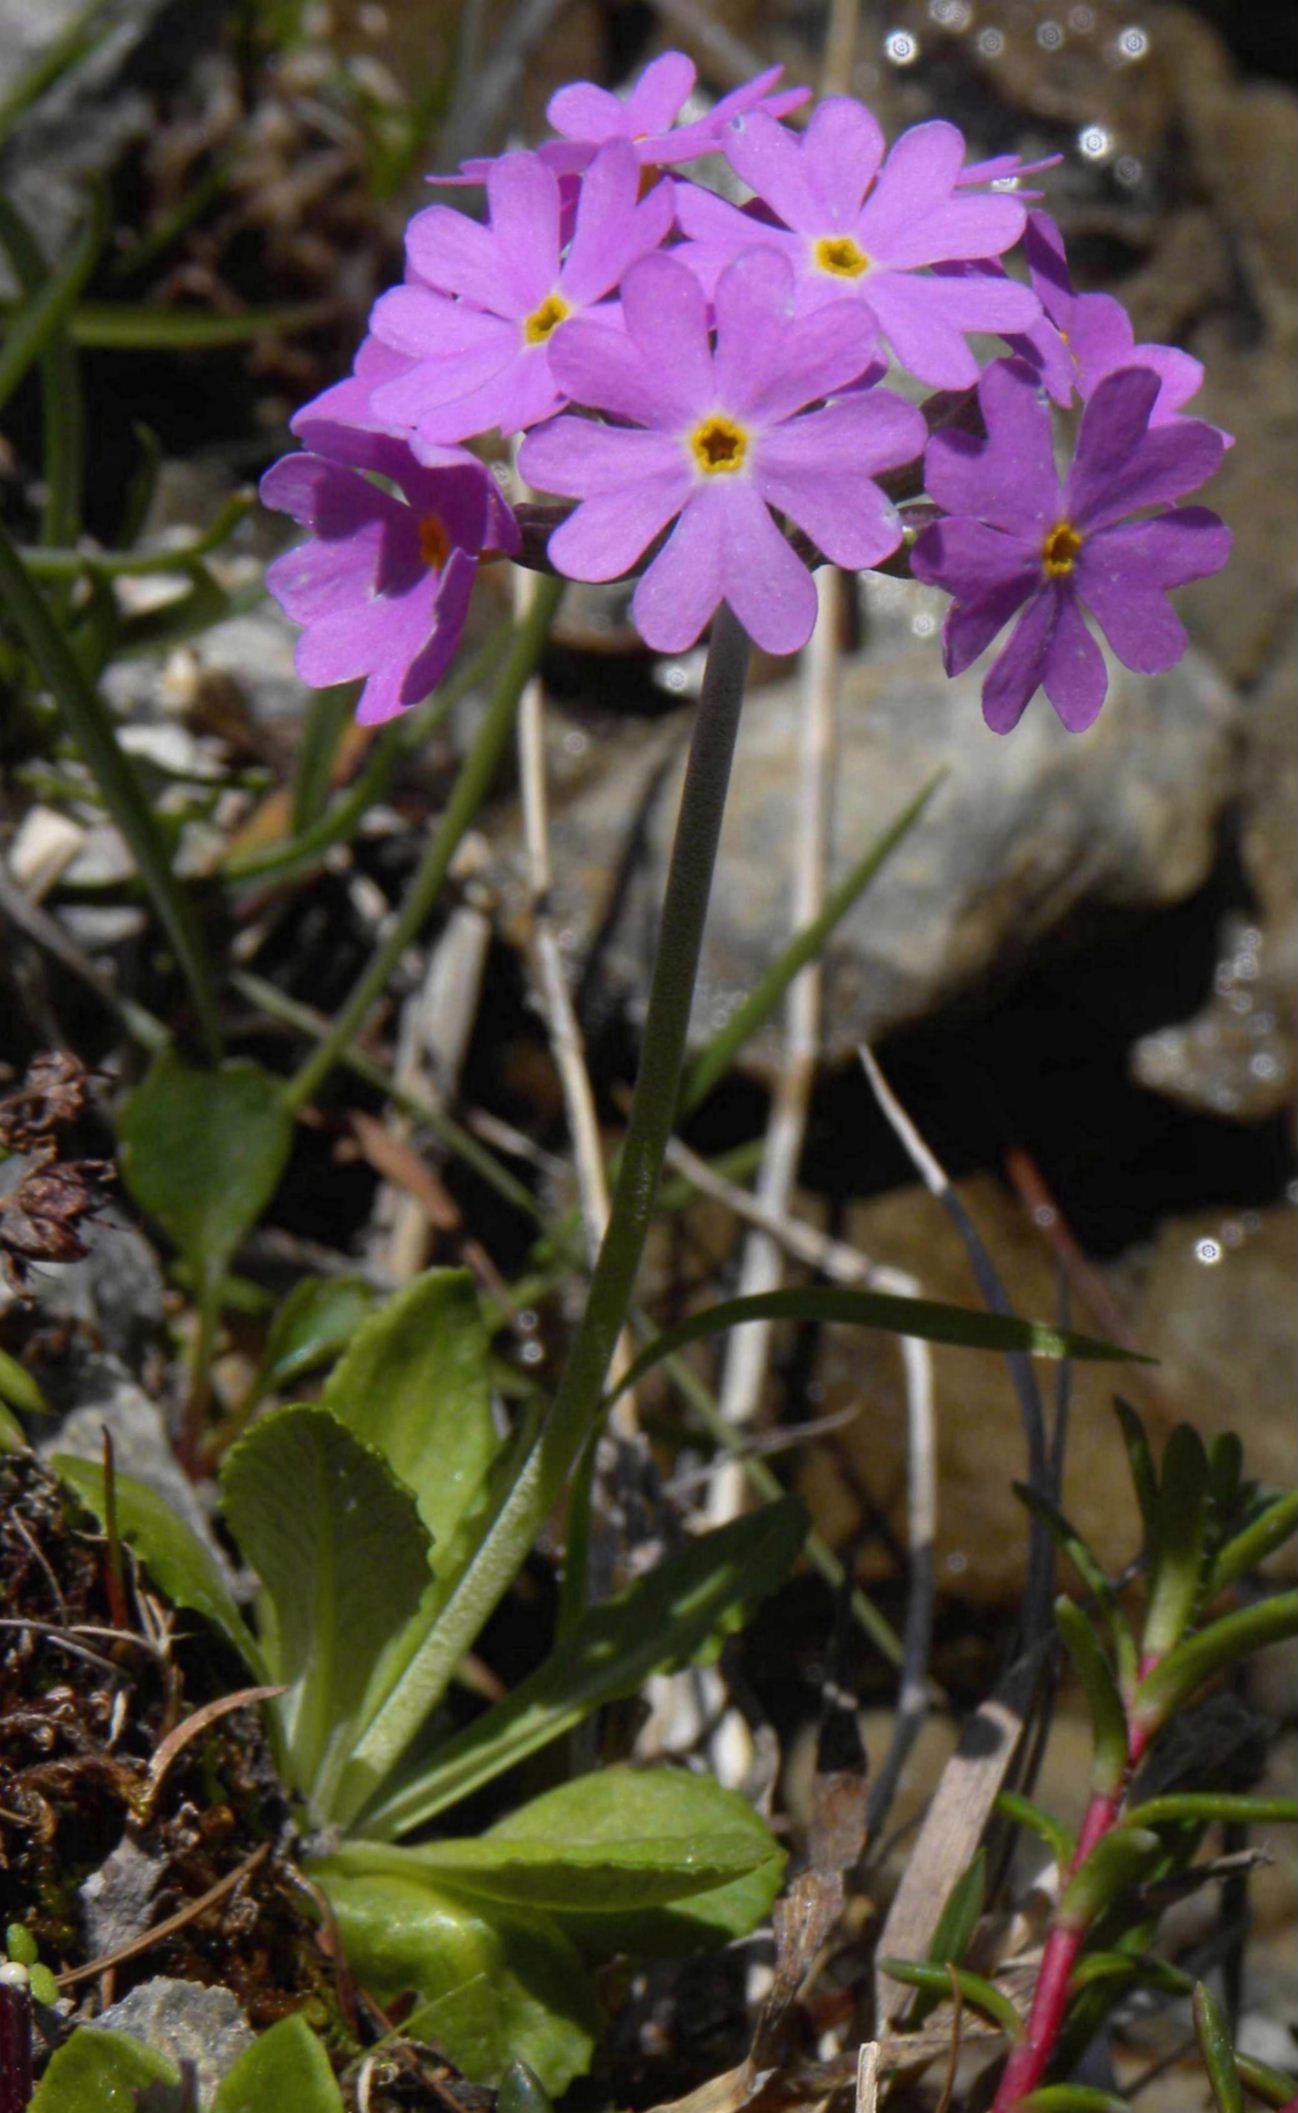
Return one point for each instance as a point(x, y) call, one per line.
point(579, 1402)
point(91, 726)
point(467, 795)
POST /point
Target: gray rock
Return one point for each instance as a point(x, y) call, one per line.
point(117, 1899)
point(107, 1397)
point(186, 2022)
point(1023, 840)
point(1238, 1056)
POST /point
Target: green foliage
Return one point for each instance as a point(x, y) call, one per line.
point(170, 1550)
point(671, 1618)
point(492, 1988)
point(99, 2072)
point(312, 1327)
point(343, 1559)
point(284, 2067)
point(940, 1981)
point(1108, 1717)
point(1218, 2055)
point(1180, 1522)
point(202, 1152)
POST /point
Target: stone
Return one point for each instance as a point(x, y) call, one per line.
point(106, 1396)
point(1238, 1056)
point(117, 1899)
point(1023, 841)
point(184, 2021)
point(1212, 1301)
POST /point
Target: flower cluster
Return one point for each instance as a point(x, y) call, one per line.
point(726, 392)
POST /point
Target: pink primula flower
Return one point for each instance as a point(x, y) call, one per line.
point(1081, 337)
point(715, 444)
point(484, 307)
point(382, 586)
point(1020, 540)
point(856, 226)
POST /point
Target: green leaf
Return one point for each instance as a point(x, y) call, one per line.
point(1058, 1839)
point(715, 1059)
point(312, 1326)
point(1136, 1967)
point(1275, 2087)
point(1072, 2098)
point(1223, 1643)
point(1086, 1564)
point(414, 1385)
point(649, 1861)
point(170, 1551)
point(981, 1995)
point(285, 2067)
point(1108, 1716)
point(1218, 2054)
point(1118, 1861)
point(99, 2072)
point(1259, 1539)
point(18, 1389)
point(124, 326)
point(91, 726)
point(661, 1623)
point(1211, 1808)
point(1179, 1527)
point(202, 1152)
point(493, 1988)
point(955, 1926)
point(38, 319)
point(1141, 1462)
point(343, 1559)
point(927, 1319)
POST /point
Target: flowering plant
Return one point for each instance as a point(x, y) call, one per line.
point(723, 389)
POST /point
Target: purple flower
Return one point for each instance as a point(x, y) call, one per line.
point(1004, 169)
point(478, 325)
point(382, 586)
point(588, 117)
point(1082, 337)
point(848, 235)
point(715, 445)
point(1018, 539)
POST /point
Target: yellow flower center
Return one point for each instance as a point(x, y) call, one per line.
point(545, 320)
point(434, 543)
point(1060, 549)
point(840, 255)
point(718, 445)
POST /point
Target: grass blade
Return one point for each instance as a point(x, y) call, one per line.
point(92, 728)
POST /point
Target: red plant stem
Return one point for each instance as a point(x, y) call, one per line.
point(1028, 2060)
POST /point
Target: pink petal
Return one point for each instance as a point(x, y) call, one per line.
point(583, 111)
point(920, 172)
point(770, 160)
point(612, 230)
point(606, 535)
point(1017, 672)
point(872, 431)
point(964, 228)
point(974, 562)
point(925, 320)
point(1075, 678)
point(765, 582)
point(577, 458)
point(525, 204)
point(1187, 544)
point(456, 255)
point(1119, 466)
point(843, 150)
point(970, 628)
point(419, 325)
point(597, 365)
point(666, 315)
point(681, 589)
point(655, 102)
point(840, 508)
point(1009, 479)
